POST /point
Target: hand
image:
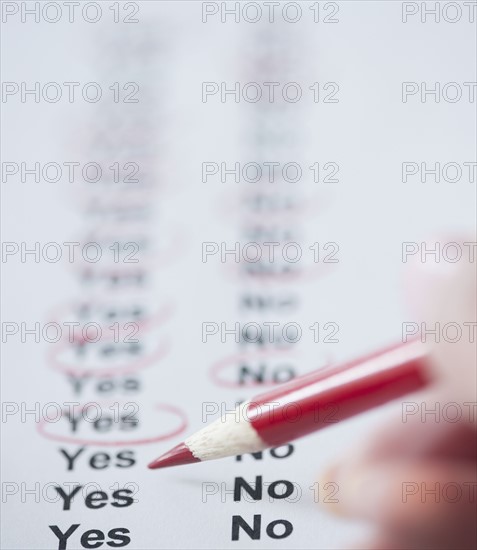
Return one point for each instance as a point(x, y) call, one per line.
point(415, 479)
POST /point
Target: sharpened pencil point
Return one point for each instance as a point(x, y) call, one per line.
point(180, 454)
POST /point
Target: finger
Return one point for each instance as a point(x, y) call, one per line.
point(393, 541)
point(444, 300)
point(409, 497)
point(423, 427)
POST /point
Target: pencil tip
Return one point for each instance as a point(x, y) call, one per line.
point(180, 454)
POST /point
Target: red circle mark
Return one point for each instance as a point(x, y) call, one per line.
point(161, 351)
point(161, 258)
point(154, 320)
point(222, 364)
point(67, 439)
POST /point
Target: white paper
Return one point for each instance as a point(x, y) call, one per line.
point(179, 292)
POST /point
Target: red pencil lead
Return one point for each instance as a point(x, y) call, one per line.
point(180, 454)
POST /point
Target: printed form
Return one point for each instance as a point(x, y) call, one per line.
point(202, 200)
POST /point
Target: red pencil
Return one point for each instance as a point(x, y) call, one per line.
point(306, 404)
